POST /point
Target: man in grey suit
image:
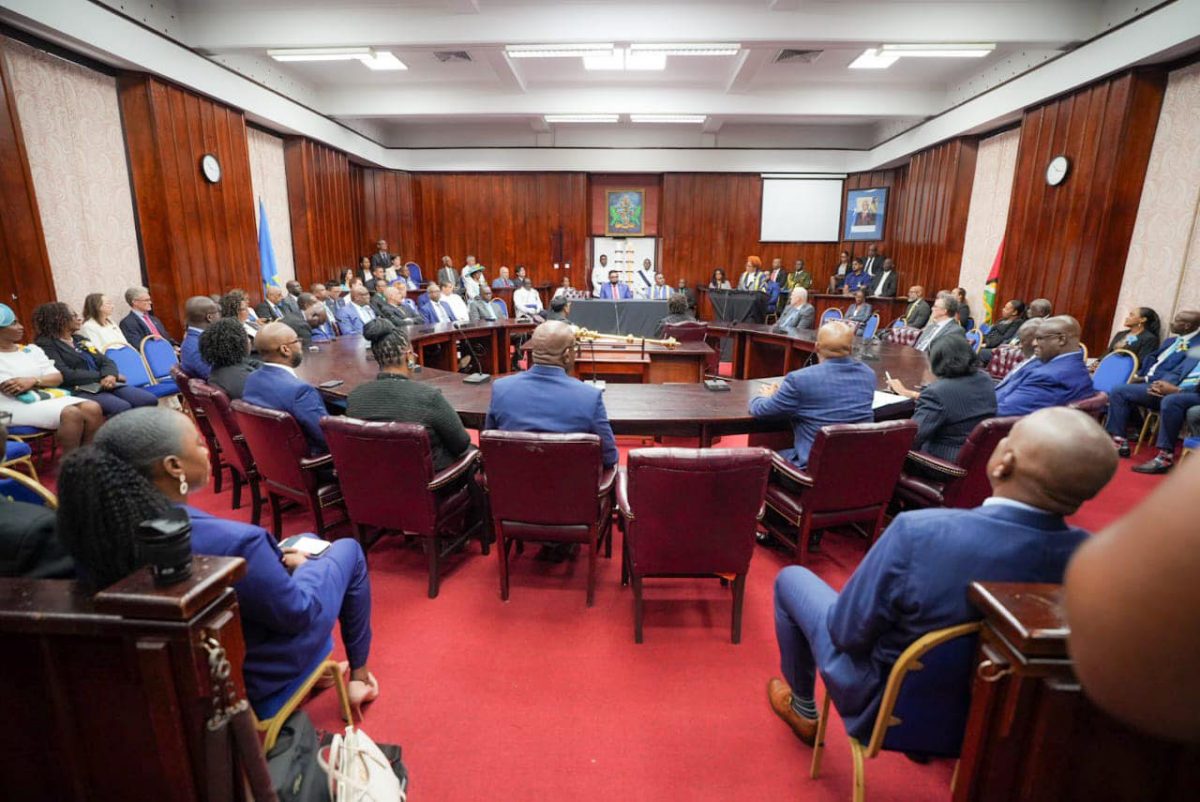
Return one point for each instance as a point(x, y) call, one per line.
point(447, 273)
point(940, 318)
point(481, 307)
point(799, 313)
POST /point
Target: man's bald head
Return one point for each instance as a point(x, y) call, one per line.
point(1026, 335)
point(553, 343)
point(1039, 307)
point(1056, 335)
point(277, 342)
point(835, 340)
point(1055, 459)
point(200, 310)
point(359, 295)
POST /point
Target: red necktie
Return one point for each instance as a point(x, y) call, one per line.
point(150, 325)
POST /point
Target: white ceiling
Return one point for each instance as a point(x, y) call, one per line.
point(750, 101)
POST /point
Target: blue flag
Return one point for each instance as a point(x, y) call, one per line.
point(266, 252)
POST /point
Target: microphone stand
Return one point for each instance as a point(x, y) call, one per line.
point(478, 377)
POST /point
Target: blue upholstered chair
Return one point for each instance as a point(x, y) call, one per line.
point(975, 339)
point(832, 313)
point(133, 368)
point(501, 307)
point(1115, 369)
point(871, 326)
point(19, 487)
point(160, 357)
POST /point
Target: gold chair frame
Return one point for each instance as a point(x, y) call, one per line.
point(274, 725)
point(32, 485)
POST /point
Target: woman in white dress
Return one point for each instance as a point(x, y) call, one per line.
point(98, 326)
point(26, 369)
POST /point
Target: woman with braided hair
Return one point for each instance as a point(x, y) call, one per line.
point(148, 459)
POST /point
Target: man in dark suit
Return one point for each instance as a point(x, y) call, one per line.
point(683, 289)
point(799, 313)
point(914, 580)
point(140, 323)
point(547, 398)
point(398, 310)
point(290, 302)
point(29, 545)
point(433, 308)
point(1168, 366)
point(838, 390)
point(917, 313)
point(272, 307)
point(873, 262)
point(200, 311)
point(481, 307)
point(941, 322)
point(1177, 402)
point(381, 257)
point(447, 273)
point(885, 281)
point(276, 386)
point(1059, 376)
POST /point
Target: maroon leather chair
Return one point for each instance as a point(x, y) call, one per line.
point(1094, 405)
point(215, 461)
point(1004, 359)
point(905, 335)
point(695, 332)
point(690, 512)
point(288, 473)
point(851, 473)
point(548, 487)
point(408, 498)
point(931, 482)
point(214, 405)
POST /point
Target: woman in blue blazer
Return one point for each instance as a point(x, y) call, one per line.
point(146, 460)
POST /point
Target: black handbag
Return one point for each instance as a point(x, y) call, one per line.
point(292, 762)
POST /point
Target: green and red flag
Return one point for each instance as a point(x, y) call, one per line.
point(989, 290)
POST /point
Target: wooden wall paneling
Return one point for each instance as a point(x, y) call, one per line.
point(196, 238)
point(25, 279)
point(1069, 243)
point(325, 235)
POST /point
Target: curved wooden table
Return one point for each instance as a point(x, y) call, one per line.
point(673, 410)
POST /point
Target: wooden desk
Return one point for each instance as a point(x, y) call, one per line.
point(888, 308)
point(651, 363)
point(1032, 735)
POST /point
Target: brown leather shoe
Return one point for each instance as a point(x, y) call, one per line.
point(780, 697)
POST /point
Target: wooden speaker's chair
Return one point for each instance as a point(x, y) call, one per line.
point(272, 713)
point(924, 707)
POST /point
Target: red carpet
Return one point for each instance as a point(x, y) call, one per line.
point(541, 698)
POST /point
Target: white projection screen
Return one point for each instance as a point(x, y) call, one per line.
point(801, 209)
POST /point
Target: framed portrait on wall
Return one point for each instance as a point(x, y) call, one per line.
point(626, 212)
point(866, 210)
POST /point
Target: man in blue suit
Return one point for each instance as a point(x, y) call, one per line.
point(914, 579)
point(433, 308)
point(1176, 401)
point(1166, 367)
point(838, 390)
point(547, 398)
point(614, 290)
point(356, 314)
point(276, 386)
point(1059, 376)
point(200, 311)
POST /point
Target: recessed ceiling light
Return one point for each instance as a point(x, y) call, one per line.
point(873, 59)
point(695, 49)
point(622, 59)
point(977, 50)
point(558, 51)
point(375, 59)
point(667, 118)
point(384, 60)
point(581, 118)
point(612, 60)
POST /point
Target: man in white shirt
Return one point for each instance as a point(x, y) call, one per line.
point(643, 279)
point(457, 305)
point(600, 275)
point(940, 318)
point(660, 291)
point(526, 300)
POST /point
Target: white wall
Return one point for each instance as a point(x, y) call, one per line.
point(991, 192)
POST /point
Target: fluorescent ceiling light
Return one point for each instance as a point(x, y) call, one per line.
point(612, 60)
point(645, 61)
point(872, 59)
point(384, 60)
point(696, 49)
point(375, 59)
point(581, 118)
point(621, 59)
point(558, 51)
point(940, 50)
point(668, 118)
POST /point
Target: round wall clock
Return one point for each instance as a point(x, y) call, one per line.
point(1056, 172)
point(211, 168)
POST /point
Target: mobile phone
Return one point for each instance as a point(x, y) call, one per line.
point(313, 547)
point(329, 385)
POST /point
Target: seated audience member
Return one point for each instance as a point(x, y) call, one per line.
point(1004, 330)
point(775, 280)
point(842, 269)
point(838, 390)
point(799, 313)
point(502, 281)
point(399, 310)
point(392, 397)
point(235, 306)
point(718, 281)
point(481, 308)
point(378, 274)
point(941, 322)
point(472, 278)
point(1130, 595)
point(141, 322)
point(1177, 402)
point(1026, 336)
point(661, 291)
point(224, 345)
point(564, 289)
point(521, 276)
point(753, 278)
point(857, 279)
point(28, 390)
point(377, 290)
point(1040, 307)
point(271, 308)
point(29, 546)
point(683, 289)
point(313, 313)
point(677, 309)
point(405, 277)
point(358, 312)
point(916, 314)
point(85, 370)
point(98, 325)
point(526, 300)
point(1141, 335)
point(146, 462)
point(1058, 377)
point(964, 310)
point(458, 307)
point(949, 408)
point(914, 579)
point(547, 398)
point(615, 290)
point(434, 307)
point(560, 309)
point(799, 277)
point(859, 312)
point(199, 311)
point(334, 302)
point(276, 386)
point(885, 282)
